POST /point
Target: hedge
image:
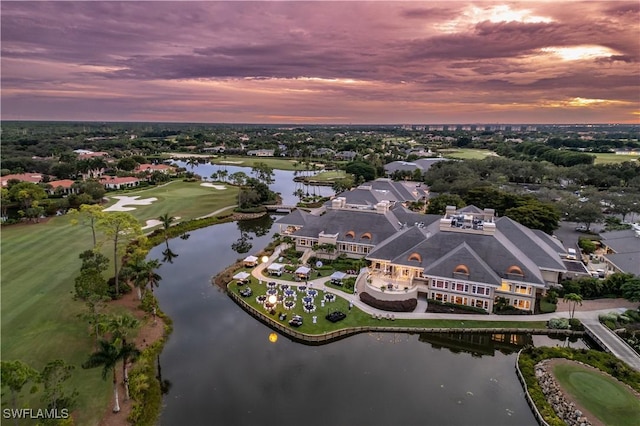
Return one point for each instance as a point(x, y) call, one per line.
point(389, 305)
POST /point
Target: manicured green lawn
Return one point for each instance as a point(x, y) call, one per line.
point(39, 316)
point(39, 264)
point(609, 158)
point(274, 163)
point(186, 200)
point(466, 153)
point(329, 176)
point(357, 318)
point(606, 398)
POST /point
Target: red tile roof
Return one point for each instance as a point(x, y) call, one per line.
point(24, 177)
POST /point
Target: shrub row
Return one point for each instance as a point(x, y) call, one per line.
point(389, 305)
point(473, 309)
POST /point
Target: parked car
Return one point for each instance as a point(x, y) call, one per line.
point(336, 316)
point(296, 321)
point(581, 228)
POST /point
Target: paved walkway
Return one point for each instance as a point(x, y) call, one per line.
point(613, 342)
point(590, 318)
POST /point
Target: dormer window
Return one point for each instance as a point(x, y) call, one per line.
point(366, 236)
point(461, 269)
point(515, 270)
point(415, 256)
point(350, 234)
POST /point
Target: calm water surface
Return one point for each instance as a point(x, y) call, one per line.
point(223, 370)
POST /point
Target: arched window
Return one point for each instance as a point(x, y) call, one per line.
point(366, 236)
point(350, 234)
point(415, 256)
point(515, 270)
point(461, 269)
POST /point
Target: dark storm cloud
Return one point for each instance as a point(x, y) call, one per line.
point(307, 53)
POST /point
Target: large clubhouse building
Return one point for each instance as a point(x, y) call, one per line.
point(467, 256)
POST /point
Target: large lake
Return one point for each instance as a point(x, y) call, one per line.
point(223, 370)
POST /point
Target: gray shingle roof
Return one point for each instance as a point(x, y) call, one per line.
point(495, 250)
point(479, 271)
point(380, 226)
point(622, 241)
point(398, 243)
point(530, 244)
point(626, 262)
point(552, 242)
point(296, 218)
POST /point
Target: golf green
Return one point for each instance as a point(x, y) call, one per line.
point(607, 399)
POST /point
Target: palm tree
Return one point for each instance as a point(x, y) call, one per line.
point(166, 221)
point(192, 162)
point(215, 175)
point(107, 357)
point(575, 299)
point(120, 326)
point(144, 275)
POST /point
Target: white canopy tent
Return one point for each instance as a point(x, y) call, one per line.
point(303, 271)
point(250, 261)
point(241, 276)
point(338, 276)
point(275, 269)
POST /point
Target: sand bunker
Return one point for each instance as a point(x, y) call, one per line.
point(213, 185)
point(124, 200)
point(151, 223)
point(232, 162)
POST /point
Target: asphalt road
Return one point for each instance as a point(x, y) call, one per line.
point(569, 236)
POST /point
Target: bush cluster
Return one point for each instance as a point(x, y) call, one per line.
point(472, 309)
point(389, 305)
point(559, 324)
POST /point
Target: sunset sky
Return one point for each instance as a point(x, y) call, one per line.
point(322, 62)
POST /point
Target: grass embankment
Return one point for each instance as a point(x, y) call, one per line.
point(358, 318)
point(328, 176)
point(609, 158)
point(39, 266)
point(274, 163)
point(39, 315)
point(604, 397)
point(601, 360)
point(466, 153)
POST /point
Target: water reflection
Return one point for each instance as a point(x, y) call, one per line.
point(223, 369)
point(259, 227)
point(575, 342)
point(284, 183)
point(478, 344)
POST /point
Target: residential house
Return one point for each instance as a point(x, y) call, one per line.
point(261, 152)
point(22, 177)
point(112, 182)
point(150, 168)
point(64, 186)
point(423, 164)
